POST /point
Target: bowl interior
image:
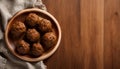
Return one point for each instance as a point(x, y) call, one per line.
point(20, 16)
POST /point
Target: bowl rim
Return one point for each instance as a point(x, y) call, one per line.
point(41, 57)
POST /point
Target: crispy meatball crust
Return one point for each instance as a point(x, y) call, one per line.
point(32, 19)
point(48, 40)
point(17, 29)
point(33, 35)
point(45, 25)
point(23, 47)
point(37, 50)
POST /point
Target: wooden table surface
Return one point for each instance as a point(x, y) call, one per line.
point(90, 34)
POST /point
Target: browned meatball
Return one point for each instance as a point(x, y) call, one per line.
point(48, 40)
point(17, 29)
point(33, 35)
point(23, 47)
point(37, 50)
point(45, 25)
point(32, 19)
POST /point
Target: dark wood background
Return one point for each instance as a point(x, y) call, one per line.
point(90, 34)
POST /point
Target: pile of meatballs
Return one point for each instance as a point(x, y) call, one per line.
point(33, 36)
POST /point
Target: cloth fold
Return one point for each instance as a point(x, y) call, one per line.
point(7, 9)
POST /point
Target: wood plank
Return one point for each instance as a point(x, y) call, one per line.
point(82, 28)
point(112, 34)
point(68, 56)
point(92, 29)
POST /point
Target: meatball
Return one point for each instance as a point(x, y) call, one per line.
point(48, 40)
point(45, 25)
point(23, 47)
point(32, 19)
point(33, 35)
point(17, 29)
point(37, 49)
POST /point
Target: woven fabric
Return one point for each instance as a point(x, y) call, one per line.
point(7, 9)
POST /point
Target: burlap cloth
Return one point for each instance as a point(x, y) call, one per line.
point(7, 9)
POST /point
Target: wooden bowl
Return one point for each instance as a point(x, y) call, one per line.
point(21, 16)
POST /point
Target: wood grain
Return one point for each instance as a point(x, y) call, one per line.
point(68, 56)
point(112, 34)
point(90, 34)
point(92, 25)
